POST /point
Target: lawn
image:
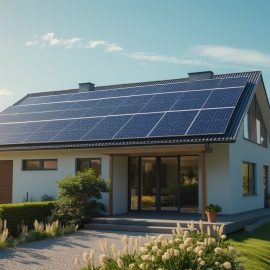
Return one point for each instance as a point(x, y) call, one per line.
point(254, 248)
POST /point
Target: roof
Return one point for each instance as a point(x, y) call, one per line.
point(177, 111)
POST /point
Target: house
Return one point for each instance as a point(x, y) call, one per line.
point(171, 145)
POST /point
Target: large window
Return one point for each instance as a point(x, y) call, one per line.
point(39, 164)
point(254, 128)
point(249, 181)
point(83, 164)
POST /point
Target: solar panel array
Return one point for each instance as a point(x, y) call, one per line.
point(165, 110)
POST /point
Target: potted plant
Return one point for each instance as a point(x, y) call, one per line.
point(211, 211)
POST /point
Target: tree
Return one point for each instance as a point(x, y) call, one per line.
point(78, 196)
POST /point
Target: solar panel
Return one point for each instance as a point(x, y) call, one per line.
point(173, 124)
point(191, 100)
point(39, 137)
point(13, 138)
point(211, 122)
point(139, 126)
point(224, 98)
point(173, 109)
point(157, 106)
point(107, 128)
point(69, 135)
point(128, 109)
point(233, 82)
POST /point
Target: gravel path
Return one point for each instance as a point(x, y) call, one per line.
point(56, 253)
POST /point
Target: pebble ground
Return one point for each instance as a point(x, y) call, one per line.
point(57, 253)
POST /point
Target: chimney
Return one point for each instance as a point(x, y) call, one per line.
point(203, 75)
point(85, 87)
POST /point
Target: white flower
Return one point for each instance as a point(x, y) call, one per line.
point(217, 263)
point(223, 236)
point(143, 250)
point(166, 256)
point(200, 253)
point(218, 250)
point(131, 266)
point(154, 248)
point(202, 263)
point(227, 265)
point(176, 252)
point(146, 258)
point(141, 266)
point(120, 263)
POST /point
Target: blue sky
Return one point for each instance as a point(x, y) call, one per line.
point(52, 45)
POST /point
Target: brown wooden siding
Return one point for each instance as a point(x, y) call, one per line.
point(6, 180)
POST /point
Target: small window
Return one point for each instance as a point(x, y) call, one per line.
point(83, 164)
point(39, 164)
point(248, 175)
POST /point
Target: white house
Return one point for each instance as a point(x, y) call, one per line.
point(171, 145)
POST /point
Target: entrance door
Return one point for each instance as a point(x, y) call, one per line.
point(265, 185)
point(6, 179)
point(189, 166)
point(163, 183)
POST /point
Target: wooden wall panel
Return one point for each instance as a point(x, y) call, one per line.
point(6, 181)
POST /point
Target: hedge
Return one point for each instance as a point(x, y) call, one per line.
point(24, 213)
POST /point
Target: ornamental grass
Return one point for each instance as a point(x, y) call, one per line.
point(184, 249)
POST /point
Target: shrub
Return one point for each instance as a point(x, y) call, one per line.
point(184, 249)
point(19, 214)
point(78, 197)
point(213, 208)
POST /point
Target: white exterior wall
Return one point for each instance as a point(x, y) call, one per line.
point(38, 183)
point(217, 177)
point(244, 150)
point(120, 185)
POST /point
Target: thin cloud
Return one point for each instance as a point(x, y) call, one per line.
point(144, 56)
point(232, 55)
point(203, 55)
point(5, 92)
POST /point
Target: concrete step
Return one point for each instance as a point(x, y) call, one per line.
point(129, 228)
point(135, 221)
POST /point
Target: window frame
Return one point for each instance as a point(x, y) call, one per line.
point(41, 164)
point(90, 160)
point(253, 191)
point(257, 115)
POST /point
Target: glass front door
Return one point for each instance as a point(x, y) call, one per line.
point(163, 183)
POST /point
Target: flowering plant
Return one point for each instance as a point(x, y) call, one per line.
point(185, 249)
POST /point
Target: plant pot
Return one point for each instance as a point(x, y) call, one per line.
point(211, 216)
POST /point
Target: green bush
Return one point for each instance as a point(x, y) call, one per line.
point(24, 213)
point(78, 197)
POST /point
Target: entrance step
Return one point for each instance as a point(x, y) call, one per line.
point(150, 225)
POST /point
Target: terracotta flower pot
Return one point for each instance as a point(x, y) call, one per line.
point(211, 216)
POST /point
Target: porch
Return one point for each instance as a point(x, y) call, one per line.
point(157, 178)
point(164, 222)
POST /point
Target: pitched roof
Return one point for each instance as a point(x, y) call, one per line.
point(159, 112)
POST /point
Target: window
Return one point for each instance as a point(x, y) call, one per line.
point(83, 164)
point(254, 128)
point(248, 175)
point(39, 164)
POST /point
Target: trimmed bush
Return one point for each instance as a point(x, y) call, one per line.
point(78, 197)
point(24, 213)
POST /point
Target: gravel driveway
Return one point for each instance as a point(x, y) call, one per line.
point(56, 253)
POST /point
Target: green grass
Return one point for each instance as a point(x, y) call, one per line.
point(254, 248)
